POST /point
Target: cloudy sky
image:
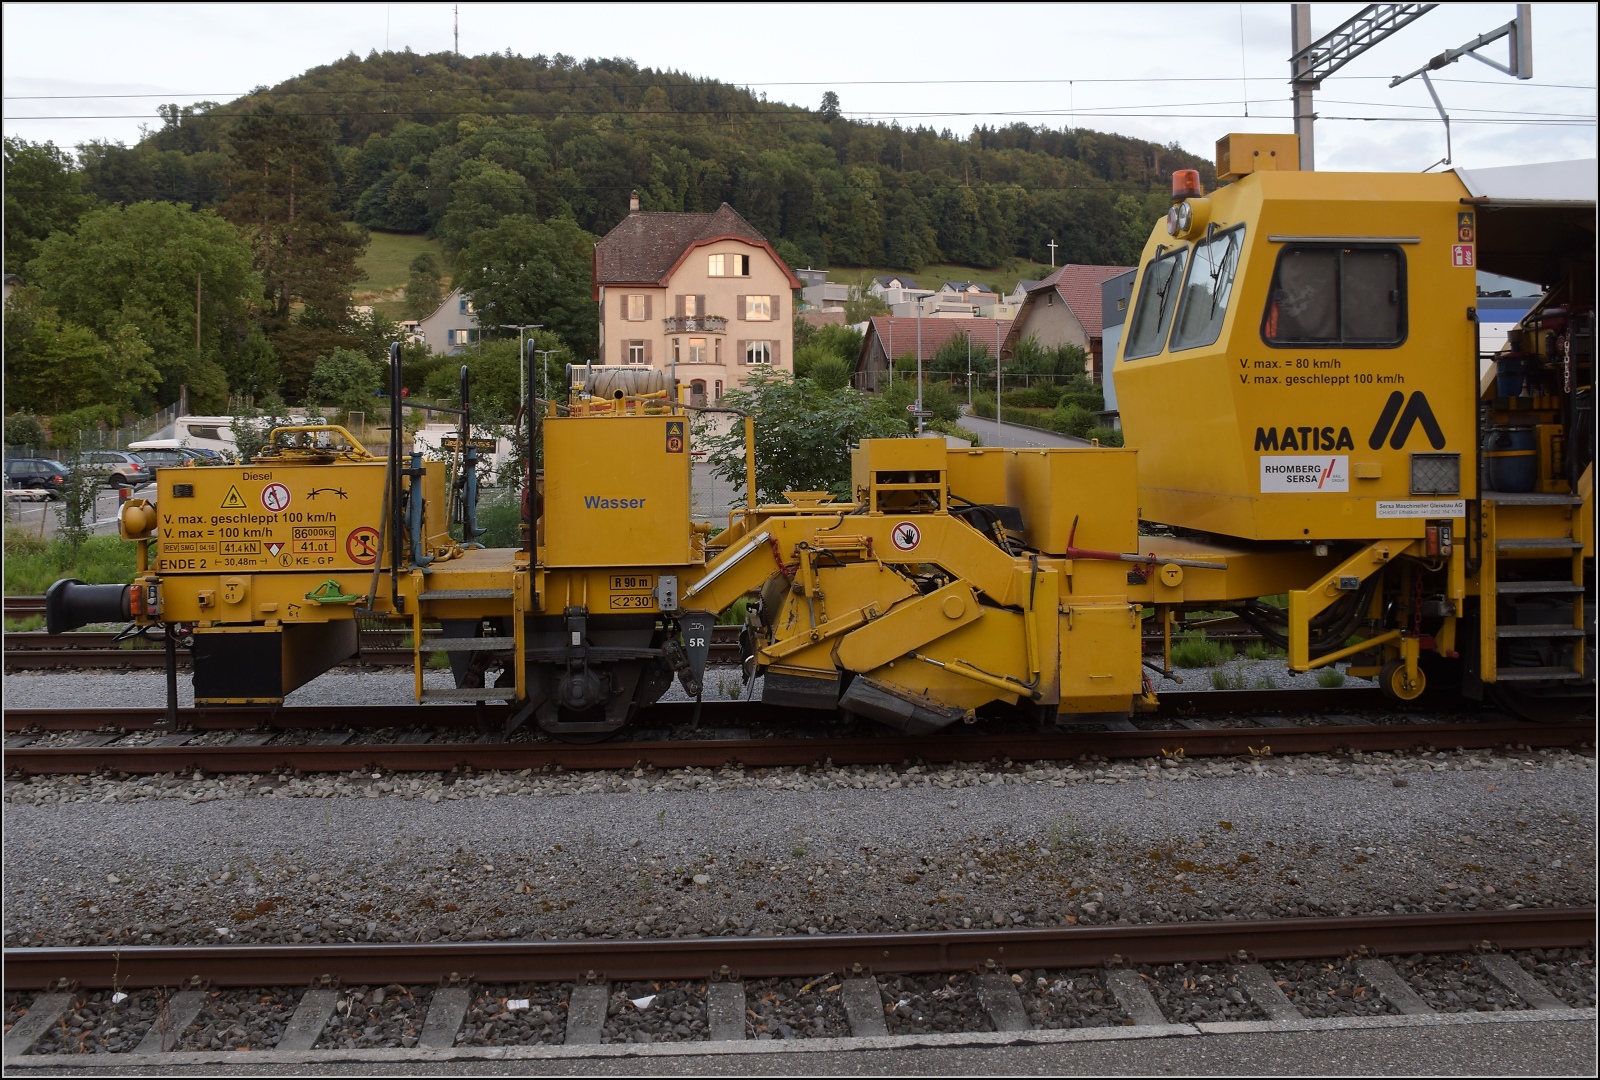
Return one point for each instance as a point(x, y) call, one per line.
point(1180, 73)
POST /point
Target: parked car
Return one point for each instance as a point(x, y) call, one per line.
point(172, 457)
point(120, 468)
point(40, 474)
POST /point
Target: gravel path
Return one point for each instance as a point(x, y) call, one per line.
point(825, 850)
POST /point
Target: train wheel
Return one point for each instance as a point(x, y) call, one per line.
point(1392, 680)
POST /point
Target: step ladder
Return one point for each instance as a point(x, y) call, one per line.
point(424, 646)
point(1502, 553)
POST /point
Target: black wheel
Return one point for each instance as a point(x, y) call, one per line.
point(1394, 684)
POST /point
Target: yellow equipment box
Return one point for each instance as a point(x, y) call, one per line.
point(616, 491)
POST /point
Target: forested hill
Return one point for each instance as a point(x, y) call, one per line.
point(450, 144)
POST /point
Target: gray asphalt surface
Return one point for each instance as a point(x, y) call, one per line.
point(1012, 435)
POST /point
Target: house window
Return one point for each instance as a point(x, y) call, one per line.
point(467, 308)
point(677, 350)
point(758, 352)
point(758, 308)
point(636, 307)
point(463, 337)
point(691, 305)
point(697, 350)
point(716, 350)
point(719, 390)
point(729, 266)
point(635, 352)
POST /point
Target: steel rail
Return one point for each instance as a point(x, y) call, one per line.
point(773, 753)
point(139, 966)
point(1177, 704)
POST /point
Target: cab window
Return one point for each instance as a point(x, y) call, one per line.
point(1158, 299)
point(1210, 286)
point(1328, 295)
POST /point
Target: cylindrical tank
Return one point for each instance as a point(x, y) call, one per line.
point(1512, 457)
point(1510, 371)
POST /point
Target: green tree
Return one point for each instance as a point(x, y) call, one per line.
point(424, 286)
point(43, 195)
point(136, 266)
point(524, 271)
point(830, 106)
point(804, 433)
point(56, 366)
point(862, 304)
point(281, 186)
point(345, 379)
point(830, 372)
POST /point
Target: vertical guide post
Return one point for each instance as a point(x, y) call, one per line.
point(750, 462)
point(393, 520)
point(1304, 109)
point(469, 466)
point(533, 423)
point(171, 723)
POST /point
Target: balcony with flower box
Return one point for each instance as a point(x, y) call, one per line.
point(696, 324)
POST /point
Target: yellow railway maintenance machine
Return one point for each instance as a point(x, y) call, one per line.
point(1302, 372)
point(1300, 375)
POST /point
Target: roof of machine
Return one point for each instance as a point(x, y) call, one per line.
point(1571, 183)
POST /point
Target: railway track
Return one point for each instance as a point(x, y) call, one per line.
point(719, 979)
point(327, 740)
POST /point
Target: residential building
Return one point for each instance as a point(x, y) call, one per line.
point(702, 295)
point(452, 328)
point(1064, 309)
point(1115, 295)
point(1017, 295)
point(888, 337)
point(820, 294)
point(971, 292)
point(895, 289)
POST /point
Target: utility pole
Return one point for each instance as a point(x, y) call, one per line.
point(1312, 61)
point(457, 10)
point(519, 328)
point(1304, 109)
point(544, 370)
point(919, 368)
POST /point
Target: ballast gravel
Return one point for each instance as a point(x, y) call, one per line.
point(920, 1004)
point(1070, 999)
point(663, 1011)
point(250, 1019)
point(501, 1015)
point(367, 1016)
point(796, 1008)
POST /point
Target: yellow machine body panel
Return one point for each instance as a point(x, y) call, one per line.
point(255, 519)
point(616, 491)
point(1293, 364)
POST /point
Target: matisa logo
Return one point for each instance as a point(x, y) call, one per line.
point(1416, 412)
point(1394, 423)
point(1303, 438)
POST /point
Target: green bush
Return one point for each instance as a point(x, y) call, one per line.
point(736, 613)
point(1089, 398)
point(499, 520)
point(829, 372)
point(983, 404)
point(1072, 420)
point(1033, 397)
point(1108, 436)
point(1329, 677)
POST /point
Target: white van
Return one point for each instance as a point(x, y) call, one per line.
point(206, 433)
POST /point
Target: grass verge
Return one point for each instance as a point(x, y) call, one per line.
point(33, 565)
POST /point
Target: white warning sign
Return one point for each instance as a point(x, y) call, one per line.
point(1312, 473)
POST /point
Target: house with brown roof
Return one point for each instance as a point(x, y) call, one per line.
point(1064, 309)
point(889, 338)
point(704, 296)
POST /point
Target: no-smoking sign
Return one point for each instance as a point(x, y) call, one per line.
point(275, 497)
point(906, 536)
